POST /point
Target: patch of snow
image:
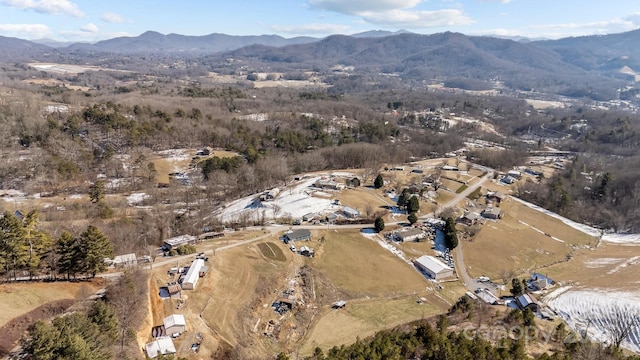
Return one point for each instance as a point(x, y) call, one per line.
point(295, 201)
point(631, 261)
point(592, 311)
point(622, 238)
point(75, 196)
point(602, 262)
point(136, 198)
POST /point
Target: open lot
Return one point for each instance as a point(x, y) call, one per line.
point(361, 267)
point(524, 240)
point(364, 318)
point(20, 298)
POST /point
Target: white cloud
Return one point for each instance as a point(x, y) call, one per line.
point(395, 13)
point(310, 29)
point(500, 1)
point(25, 31)
point(53, 7)
point(355, 7)
point(556, 31)
point(90, 28)
point(418, 19)
point(112, 18)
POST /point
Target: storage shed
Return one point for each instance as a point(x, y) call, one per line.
point(160, 346)
point(410, 234)
point(191, 278)
point(174, 324)
point(433, 267)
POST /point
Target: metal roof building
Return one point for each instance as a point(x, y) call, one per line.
point(160, 346)
point(191, 278)
point(433, 267)
point(297, 235)
point(174, 324)
point(179, 240)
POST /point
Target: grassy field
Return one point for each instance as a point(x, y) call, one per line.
point(165, 166)
point(607, 266)
point(361, 267)
point(521, 241)
point(272, 251)
point(19, 299)
point(364, 318)
point(361, 198)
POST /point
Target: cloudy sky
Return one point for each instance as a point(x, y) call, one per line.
point(93, 20)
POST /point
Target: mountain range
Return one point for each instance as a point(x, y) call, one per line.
point(570, 66)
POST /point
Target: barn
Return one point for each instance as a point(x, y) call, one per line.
point(191, 278)
point(174, 324)
point(433, 267)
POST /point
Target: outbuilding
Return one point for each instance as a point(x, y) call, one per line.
point(174, 324)
point(297, 235)
point(193, 274)
point(470, 218)
point(350, 212)
point(527, 301)
point(433, 267)
point(411, 234)
point(492, 213)
point(125, 260)
point(174, 242)
point(160, 346)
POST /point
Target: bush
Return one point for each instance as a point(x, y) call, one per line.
point(379, 224)
point(186, 249)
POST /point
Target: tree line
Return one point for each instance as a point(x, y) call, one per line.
point(26, 251)
point(102, 330)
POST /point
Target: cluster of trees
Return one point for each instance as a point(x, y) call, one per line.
point(450, 233)
point(104, 329)
point(423, 340)
point(27, 251)
point(598, 190)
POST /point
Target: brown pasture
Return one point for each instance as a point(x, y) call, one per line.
point(513, 243)
point(361, 267)
point(363, 318)
point(20, 298)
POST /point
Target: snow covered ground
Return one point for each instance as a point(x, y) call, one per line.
point(593, 311)
point(624, 239)
point(295, 202)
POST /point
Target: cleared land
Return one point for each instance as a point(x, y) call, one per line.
point(525, 239)
point(361, 267)
point(364, 318)
point(20, 298)
point(272, 251)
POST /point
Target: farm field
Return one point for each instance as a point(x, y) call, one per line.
point(20, 298)
point(363, 318)
point(524, 240)
point(361, 267)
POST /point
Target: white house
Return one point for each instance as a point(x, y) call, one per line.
point(191, 278)
point(160, 346)
point(433, 267)
point(174, 324)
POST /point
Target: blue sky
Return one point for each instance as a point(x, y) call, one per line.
point(93, 20)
